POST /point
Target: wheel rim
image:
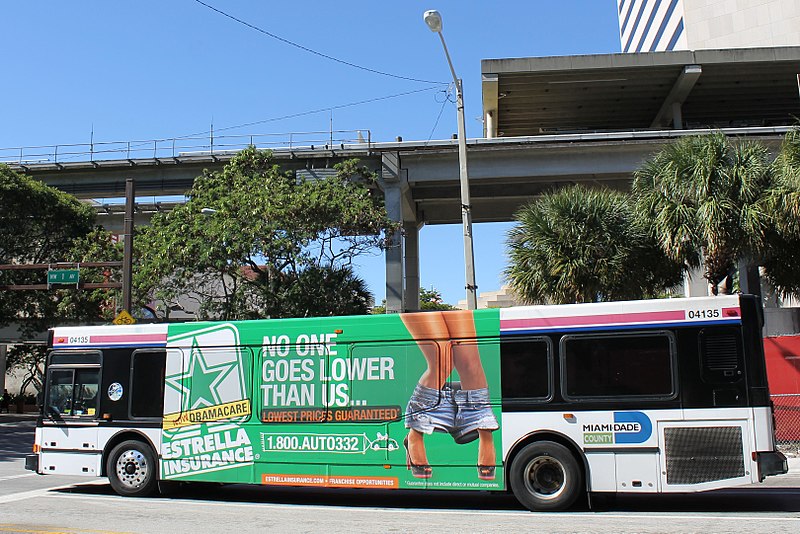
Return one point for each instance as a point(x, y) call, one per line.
point(132, 468)
point(544, 477)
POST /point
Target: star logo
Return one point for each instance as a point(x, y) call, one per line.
point(199, 382)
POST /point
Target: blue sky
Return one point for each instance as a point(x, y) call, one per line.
point(147, 69)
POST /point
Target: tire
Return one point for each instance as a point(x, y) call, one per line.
point(545, 476)
point(131, 469)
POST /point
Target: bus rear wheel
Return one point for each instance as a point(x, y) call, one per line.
point(545, 476)
point(131, 469)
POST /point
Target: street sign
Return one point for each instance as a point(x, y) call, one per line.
point(124, 317)
point(63, 277)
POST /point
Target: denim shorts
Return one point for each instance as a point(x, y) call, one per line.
point(461, 413)
point(473, 413)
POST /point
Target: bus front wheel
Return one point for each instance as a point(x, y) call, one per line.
point(131, 469)
point(545, 476)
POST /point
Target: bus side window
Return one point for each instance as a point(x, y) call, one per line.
point(147, 383)
point(526, 369)
point(618, 365)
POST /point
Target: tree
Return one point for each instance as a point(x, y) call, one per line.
point(782, 254)
point(272, 245)
point(40, 225)
point(712, 201)
point(584, 245)
point(429, 300)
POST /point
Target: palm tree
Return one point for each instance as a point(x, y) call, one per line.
point(707, 201)
point(584, 245)
point(782, 257)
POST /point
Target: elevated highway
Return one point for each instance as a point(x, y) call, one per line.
point(419, 179)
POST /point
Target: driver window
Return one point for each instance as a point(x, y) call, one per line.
point(85, 393)
point(59, 396)
point(73, 392)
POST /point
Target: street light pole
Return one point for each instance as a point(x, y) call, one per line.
point(127, 254)
point(434, 21)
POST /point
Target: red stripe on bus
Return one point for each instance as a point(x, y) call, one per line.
point(138, 338)
point(613, 318)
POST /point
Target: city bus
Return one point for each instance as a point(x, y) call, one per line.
point(553, 403)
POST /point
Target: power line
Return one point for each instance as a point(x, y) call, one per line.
point(439, 116)
point(311, 112)
point(311, 51)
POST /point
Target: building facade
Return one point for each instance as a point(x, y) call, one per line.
point(660, 25)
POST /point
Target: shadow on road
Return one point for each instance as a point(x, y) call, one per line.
point(16, 440)
point(750, 499)
point(744, 499)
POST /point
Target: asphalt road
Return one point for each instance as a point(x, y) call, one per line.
point(48, 504)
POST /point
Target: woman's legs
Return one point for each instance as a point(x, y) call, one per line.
point(467, 361)
point(425, 328)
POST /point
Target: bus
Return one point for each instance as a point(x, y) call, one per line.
point(550, 402)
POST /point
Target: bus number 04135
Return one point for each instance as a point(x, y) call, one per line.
point(704, 314)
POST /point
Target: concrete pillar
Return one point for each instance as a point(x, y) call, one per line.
point(393, 197)
point(402, 252)
point(677, 116)
point(694, 285)
point(411, 266)
point(394, 258)
point(491, 126)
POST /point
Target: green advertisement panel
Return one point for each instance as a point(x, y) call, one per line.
point(388, 401)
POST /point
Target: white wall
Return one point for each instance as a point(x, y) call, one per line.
point(741, 23)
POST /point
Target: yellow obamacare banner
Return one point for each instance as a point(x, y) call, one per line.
point(207, 414)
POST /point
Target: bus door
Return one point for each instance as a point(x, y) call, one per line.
point(70, 418)
point(473, 390)
point(293, 402)
point(382, 378)
point(207, 401)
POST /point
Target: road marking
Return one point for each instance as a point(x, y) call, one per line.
point(14, 497)
point(10, 477)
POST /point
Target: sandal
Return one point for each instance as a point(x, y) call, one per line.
point(486, 472)
point(417, 470)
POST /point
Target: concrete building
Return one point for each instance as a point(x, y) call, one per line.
point(502, 298)
point(661, 25)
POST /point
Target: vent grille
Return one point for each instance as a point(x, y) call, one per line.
point(703, 454)
point(721, 352)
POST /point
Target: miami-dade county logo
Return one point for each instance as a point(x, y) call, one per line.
point(205, 399)
point(628, 427)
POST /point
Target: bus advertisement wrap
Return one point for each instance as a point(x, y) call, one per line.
point(279, 404)
point(652, 396)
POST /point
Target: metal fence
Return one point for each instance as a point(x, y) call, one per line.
point(181, 146)
point(787, 423)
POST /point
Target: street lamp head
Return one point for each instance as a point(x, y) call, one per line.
point(208, 212)
point(434, 20)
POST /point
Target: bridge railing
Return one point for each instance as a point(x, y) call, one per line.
point(179, 146)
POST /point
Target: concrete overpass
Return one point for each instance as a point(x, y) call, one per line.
point(419, 179)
